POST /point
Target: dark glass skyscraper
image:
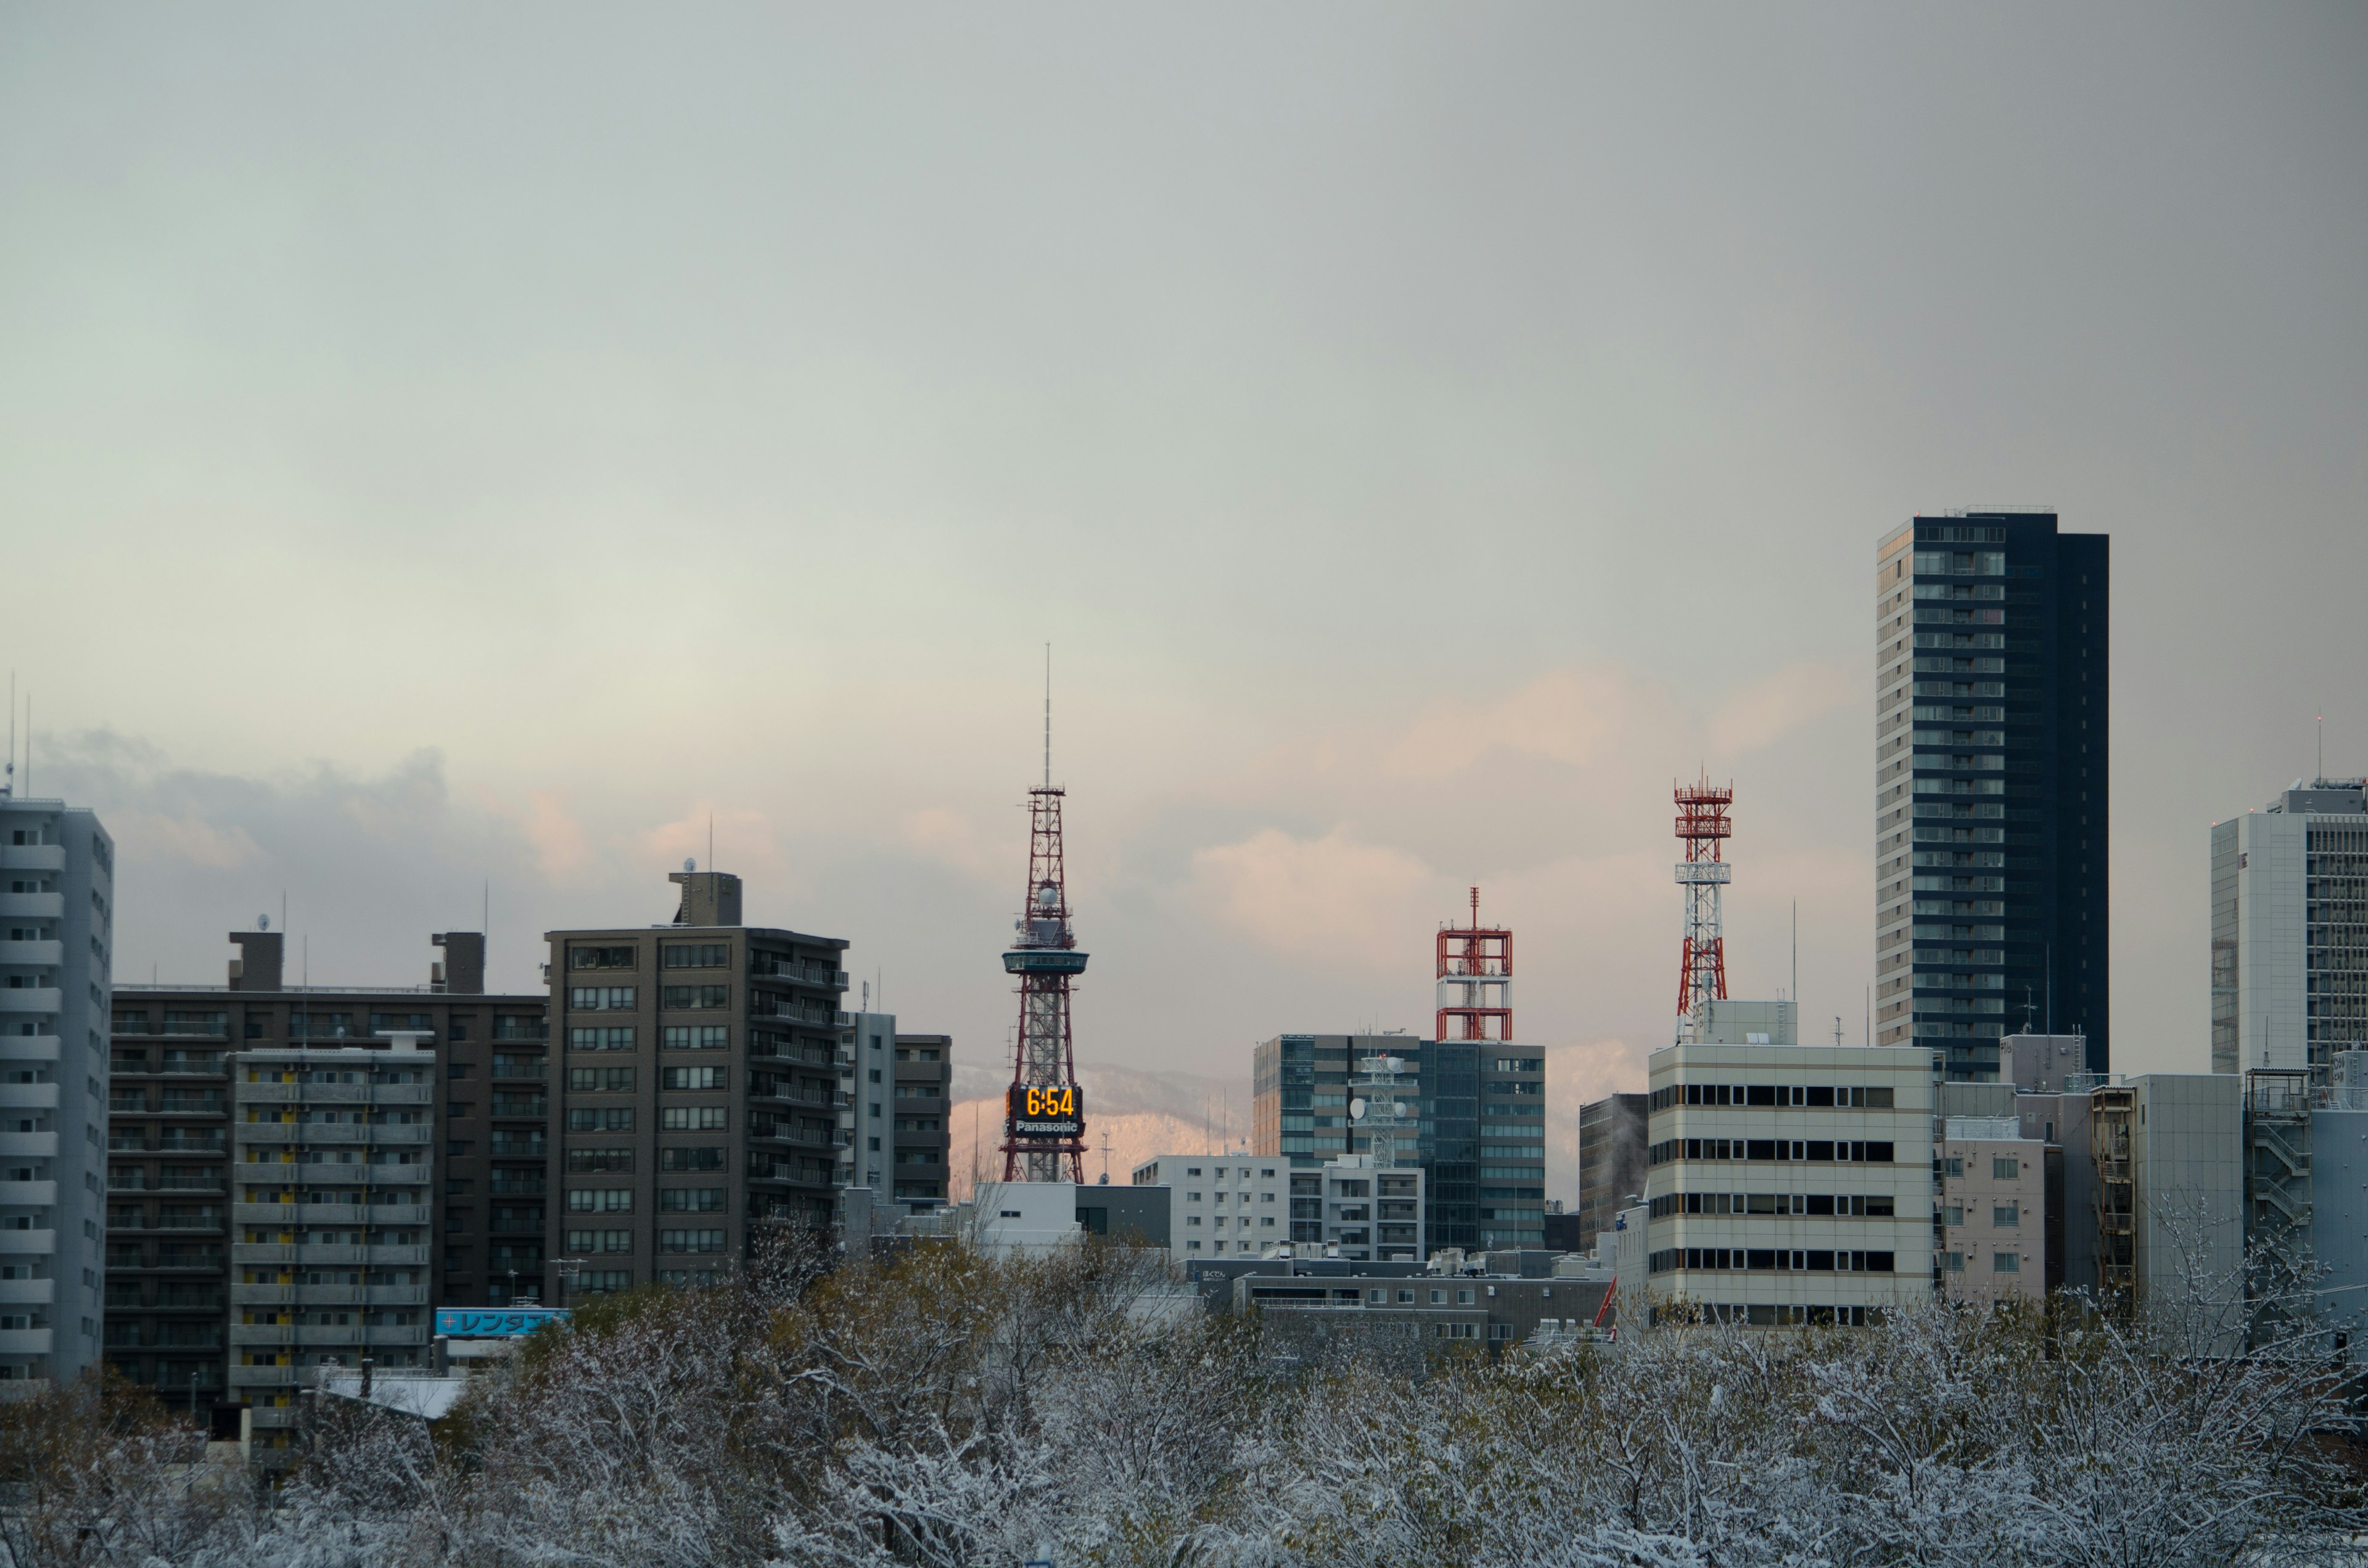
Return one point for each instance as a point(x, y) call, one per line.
point(1991, 772)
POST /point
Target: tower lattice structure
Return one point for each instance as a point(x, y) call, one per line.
point(1702, 828)
point(1043, 1124)
point(1475, 979)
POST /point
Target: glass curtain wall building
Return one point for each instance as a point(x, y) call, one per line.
point(1482, 1126)
point(1991, 773)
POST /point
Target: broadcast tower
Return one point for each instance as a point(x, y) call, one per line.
point(1044, 1116)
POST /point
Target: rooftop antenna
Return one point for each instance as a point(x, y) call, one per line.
point(8, 775)
point(2322, 750)
point(1838, 1031)
point(1797, 956)
point(1048, 715)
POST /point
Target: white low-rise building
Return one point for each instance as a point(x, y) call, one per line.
point(1788, 1184)
point(1224, 1205)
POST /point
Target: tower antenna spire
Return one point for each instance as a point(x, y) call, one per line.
point(1048, 715)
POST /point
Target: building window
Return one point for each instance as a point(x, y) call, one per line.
point(695, 955)
point(692, 1079)
point(600, 1200)
point(2006, 1263)
point(690, 1241)
point(697, 1037)
point(600, 1240)
point(617, 1119)
point(691, 1199)
point(2005, 1167)
point(691, 998)
point(608, 1037)
point(612, 1080)
point(708, 1157)
point(613, 1162)
point(600, 957)
point(2006, 1214)
point(601, 998)
point(603, 1281)
point(692, 1119)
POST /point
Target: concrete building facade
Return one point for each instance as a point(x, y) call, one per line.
point(57, 937)
point(174, 1049)
point(1991, 780)
point(1991, 1231)
point(924, 1075)
point(700, 1099)
point(1227, 1205)
point(1789, 1184)
point(334, 1171)
point(2290, 931)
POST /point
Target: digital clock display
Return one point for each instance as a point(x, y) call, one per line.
point(1046, 1110)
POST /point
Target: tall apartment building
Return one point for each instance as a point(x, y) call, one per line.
point(1991, 778)
point(2290, 931)
point(57, 896)
point(867, 1095)
point(334, 1165)
point(176, 1051)
point(701, 1090)
point(1789, 1184)
point(895, 1091)
point(924, 1083)
point(1611, 1139)
point(1481, 1125)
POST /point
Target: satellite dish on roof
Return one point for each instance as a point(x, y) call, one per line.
point(263, 923)
point(690, 863)
point(1357, 1110)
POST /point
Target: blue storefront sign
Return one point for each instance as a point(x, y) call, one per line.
point(495, 1323)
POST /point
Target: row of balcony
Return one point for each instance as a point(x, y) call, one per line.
point(318, 1255)
point(341, 1334)
point(335, 1094)
point(359, 1173)
point(330, 1213)
point(330, 1295)
point(252, 1133)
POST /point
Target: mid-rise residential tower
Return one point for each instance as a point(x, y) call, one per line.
point(2290, 931)
point(57, 932)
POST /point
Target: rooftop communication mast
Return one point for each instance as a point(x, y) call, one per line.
point(1702, 827)
point(1475, 979)
point(1044, 1116)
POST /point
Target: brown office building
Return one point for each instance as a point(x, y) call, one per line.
point(698, 1091)
point(180, 1210)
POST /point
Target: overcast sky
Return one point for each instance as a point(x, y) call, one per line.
point(449, 445)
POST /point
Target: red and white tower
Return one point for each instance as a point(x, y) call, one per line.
point(1043, 1119)
point(1702, 827)
point(1475, 980)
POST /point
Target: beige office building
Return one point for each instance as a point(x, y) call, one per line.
point(1992, 1194)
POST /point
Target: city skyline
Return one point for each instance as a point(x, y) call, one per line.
point(495, 511)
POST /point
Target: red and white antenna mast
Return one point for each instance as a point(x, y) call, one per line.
point(1701, 828)
point(1044, 1118)
point(1475, 979)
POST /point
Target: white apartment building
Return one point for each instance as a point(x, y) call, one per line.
point(1991, 1186)
point(1788, 1184)
point(57, 932)
point(2290, 930)
point(1238, 1205)
point(1224, 1205)
point(333, 1165)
